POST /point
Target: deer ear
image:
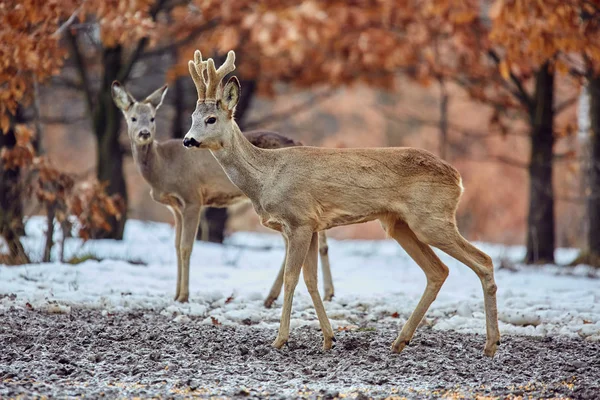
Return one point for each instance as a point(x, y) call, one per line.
point(231, 94)
point(121, 97)
point(156, 98)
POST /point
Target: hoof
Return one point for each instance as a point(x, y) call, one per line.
point(399, 345)
point(328, 343)
point(182, 298)
point(269, 301)
point(328, 296)
point(279, 342)
point(490, 348)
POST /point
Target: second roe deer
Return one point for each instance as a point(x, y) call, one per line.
point(186, 182)
point(300, 191)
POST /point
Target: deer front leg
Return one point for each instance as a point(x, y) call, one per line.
point(204, 227)
point(191, 219)
point(276, 288)
point(298, 242)
point(178, 226)
point(325, 267)
point(309, 270)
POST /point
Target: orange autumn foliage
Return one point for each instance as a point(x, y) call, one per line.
point(66, 194)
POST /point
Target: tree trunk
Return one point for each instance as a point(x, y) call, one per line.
point(540, 221)
point(215, 219)
point(107, 119)
point(594, 173)
point(11, 210)
point(49, 234)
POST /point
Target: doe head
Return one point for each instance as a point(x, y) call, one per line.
point(213, 117)
point(139, 115)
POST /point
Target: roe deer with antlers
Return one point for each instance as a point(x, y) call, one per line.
point(186, 182)
point(300, 191)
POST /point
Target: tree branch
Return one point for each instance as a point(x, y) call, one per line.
point(52, 120)
point(66, 83)
point(565, 104)
point(459, 129)
point(501, 159)
point(82, 70)
point(466, 84)
point(275, 117)
point(188, 39)
point(139, 48)
point(521, 92)
point(69, 21)
point(126, 69)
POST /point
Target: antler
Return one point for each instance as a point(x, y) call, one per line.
point(197, 67)
point(207, 86)
point(216, 76)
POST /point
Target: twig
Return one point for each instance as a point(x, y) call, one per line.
point(62, 120)
point(188, 39)
point(140, 47)
point(459, 129)
point(61, 29)
point(565, 104)
point(522, 93)
point(501, 159)
point(275, 117)
point(81, 68)
point(66, 83)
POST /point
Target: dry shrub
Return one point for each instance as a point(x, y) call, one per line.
point(61, 194)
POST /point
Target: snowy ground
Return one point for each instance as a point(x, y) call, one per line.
point(373, 281)
point(376, 286)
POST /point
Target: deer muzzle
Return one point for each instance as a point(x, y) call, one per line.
point(145, 134)
point(190, 142)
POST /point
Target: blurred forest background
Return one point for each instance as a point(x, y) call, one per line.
point(508, 91)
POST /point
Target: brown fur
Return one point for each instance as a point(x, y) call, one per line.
point(303, 190)
point(185, 181)
point(270, 140)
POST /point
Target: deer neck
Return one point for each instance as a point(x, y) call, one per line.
point(244, 164)
point(147, 159)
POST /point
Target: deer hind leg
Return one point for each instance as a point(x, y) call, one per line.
point(309, 270)
point(276, 288)
point(435, 271)
point(191, 219)
point(298, 242)
point(458, 247)
point(178, 226)
point(325, 267)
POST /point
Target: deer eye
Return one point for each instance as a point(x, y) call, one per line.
point(134, 119)
point(211, 120)
point(152, 119)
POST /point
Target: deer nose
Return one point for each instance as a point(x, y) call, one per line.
point(190, 142)
point(145, 134)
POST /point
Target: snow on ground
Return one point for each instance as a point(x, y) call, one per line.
point(375, 281)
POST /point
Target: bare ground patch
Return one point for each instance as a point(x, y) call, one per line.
point(146, 354)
